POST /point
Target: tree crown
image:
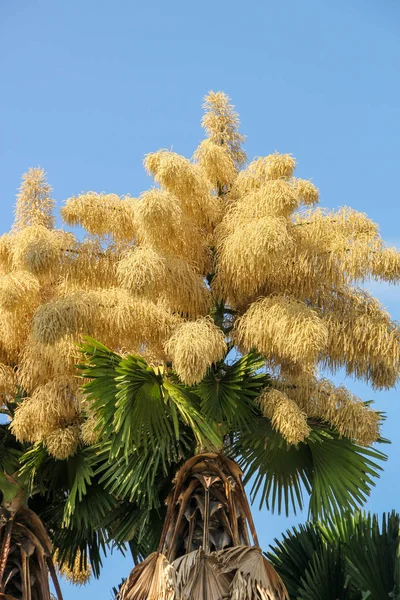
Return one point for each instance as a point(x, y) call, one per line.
point(219, 255)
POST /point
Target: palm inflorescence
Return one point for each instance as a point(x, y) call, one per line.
point(200, 316)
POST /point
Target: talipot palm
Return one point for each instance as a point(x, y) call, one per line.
point(164, 422)
point(216, 297)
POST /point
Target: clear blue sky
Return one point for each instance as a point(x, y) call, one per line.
point(88, 87)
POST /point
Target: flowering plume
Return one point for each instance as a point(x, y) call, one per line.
point(219, 254)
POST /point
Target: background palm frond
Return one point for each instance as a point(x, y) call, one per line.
point(351, 557)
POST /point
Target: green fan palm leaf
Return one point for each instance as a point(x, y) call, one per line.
point(353, 556)
point(336, 473)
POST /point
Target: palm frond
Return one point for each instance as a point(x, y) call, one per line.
point(336, 473)
point(139, 528)
point(70, 501)
point(228, 392)
point(137, 406)
point(141, 476)
point(343, 473)
point(325, 578)
point(291, 555)
point(10, 450)
point(372, 551)
point(276, 471)
point(353, 556)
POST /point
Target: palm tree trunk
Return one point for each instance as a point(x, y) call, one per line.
point(25, 559)
point(205, 551)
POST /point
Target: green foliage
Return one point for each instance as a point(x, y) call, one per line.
point(227, 393)
point(10, 450)
point(140, 407)
point(325, 578)
point(148, 424)
point(342, 474)
point(336, 473)
point(68, 498)
point(352, 557)
point(293, 554)
point(372, 551)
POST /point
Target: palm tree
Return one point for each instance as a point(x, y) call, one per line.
point(106, 494)
point(26, 549)
point(217, 296)
point(204, 545)
point(349, 558)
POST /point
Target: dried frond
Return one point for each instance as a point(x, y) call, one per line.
point(8, 382)
point(165, 227)
point(149, 274)
point(194, 347)
point(19, 291)
point(199, 576)
point(186, 181)
point(221, 123)
point(217, 163)
point(255, 577)
point(79, 574)
point(34, 206)
point(63, 442)
point(282, 329)
point(285, 415)
point(101, 214)
point(154, 579)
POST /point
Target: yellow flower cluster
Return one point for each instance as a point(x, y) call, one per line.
point(150, 270)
